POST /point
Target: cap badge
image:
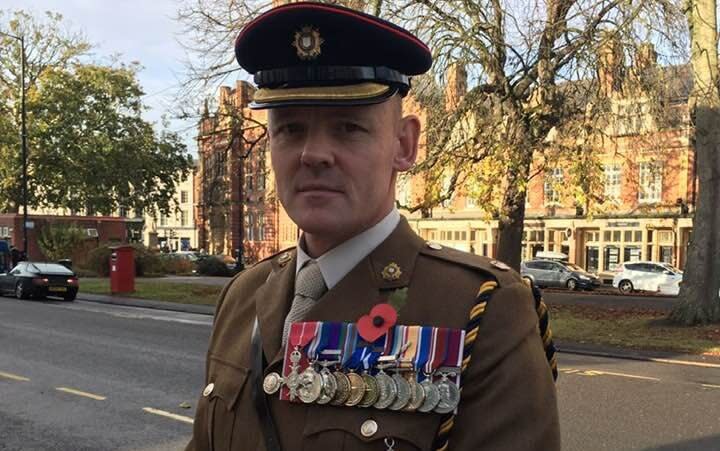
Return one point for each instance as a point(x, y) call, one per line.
point(391, 272)
point(307, 43)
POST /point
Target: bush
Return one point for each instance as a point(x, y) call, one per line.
point(99, 261)
point(146, 261)
point(58, 241)
point(213, 266)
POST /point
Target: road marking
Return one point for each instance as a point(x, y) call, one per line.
point(605, 373)
point(710, 386)
point(72, 391)
point(165, 414)
point(685, 362)
point(631, 376)
point(14, 377)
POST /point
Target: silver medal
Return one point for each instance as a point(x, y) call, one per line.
point(387, 388)
point(272, 383)
point(293, 379)
point(403, 392)
point(310, 386)
point(449, 395)
point(329, 386)
point(432, 396)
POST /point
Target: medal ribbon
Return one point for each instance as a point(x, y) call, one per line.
point(438, 350)
point(330, 340)
point(423, 351)
point(389, 340)
point(453, 358)
point(348, 346)
point(356, 360)
point(370, 360)
point(302, 333)
point(317, 342)
point(398, 340)
point(412, 337)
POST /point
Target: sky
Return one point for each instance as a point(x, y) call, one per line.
point(138, 30)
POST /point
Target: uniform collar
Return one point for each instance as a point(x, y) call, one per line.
point(338, 261)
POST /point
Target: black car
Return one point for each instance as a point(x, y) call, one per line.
point(38, 280)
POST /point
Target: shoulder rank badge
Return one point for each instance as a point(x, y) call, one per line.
point(307, 42)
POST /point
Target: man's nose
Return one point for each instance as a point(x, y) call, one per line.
point(318, 150)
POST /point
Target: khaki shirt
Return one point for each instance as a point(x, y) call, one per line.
point(508, 399)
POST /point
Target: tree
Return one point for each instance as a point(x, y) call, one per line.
point(530, 70)
point(89, 148)
point(60, 240)
point(699, 301)
point(48, 45)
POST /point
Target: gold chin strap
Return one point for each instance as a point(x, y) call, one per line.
point(347, 92)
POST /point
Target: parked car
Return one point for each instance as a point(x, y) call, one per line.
point(38, 280)
point(645, 276)
point(548, 273)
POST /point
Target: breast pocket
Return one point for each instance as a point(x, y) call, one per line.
point(225, 419)
point(357, 429)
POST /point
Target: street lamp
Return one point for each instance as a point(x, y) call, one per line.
point(23, 135)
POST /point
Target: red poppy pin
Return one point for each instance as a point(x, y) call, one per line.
point(373, 326)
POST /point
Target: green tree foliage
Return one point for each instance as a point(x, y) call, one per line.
point(59, 241)
point(89, 148)
point(92, 150)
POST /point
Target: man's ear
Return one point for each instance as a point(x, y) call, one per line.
point(408, 135)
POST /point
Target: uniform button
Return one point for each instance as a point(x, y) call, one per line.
point(368, 428)
point(500, 265)
point(284, 258)
point(208, 389)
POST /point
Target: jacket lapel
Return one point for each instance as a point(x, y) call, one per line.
point(272, 302)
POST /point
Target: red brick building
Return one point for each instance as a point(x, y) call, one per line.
point(99, 230)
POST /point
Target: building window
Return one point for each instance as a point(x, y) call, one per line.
point(261, 228)
point(261, 172)
point(249, 236)
point(183, 218)
point(612, 181)
point(123, 212)
point(553, 179)
point(163, 220)
point(650, 189)
point(470, 201)
point(248, 177)
point(183, 197)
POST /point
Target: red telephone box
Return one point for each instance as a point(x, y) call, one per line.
point(122, 269)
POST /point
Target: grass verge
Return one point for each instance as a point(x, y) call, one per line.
point(632, 329)
point(158, 290)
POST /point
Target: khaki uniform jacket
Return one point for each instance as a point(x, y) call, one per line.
point(508, 399)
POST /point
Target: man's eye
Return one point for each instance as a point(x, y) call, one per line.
point(289, 129)
point(352, 127)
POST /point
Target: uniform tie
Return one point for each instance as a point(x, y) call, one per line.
point(309, 286)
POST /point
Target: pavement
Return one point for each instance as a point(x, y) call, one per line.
point(563, 347)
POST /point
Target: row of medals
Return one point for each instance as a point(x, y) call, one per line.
point(382, 391)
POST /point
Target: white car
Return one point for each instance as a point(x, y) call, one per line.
point(645, 276)
point(672, 288)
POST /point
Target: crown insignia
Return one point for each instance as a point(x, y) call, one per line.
point(307, 43)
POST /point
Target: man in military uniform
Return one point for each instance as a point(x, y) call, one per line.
point(333, 80)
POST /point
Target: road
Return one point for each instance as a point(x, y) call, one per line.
point(57, 361)
point(79, 376)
